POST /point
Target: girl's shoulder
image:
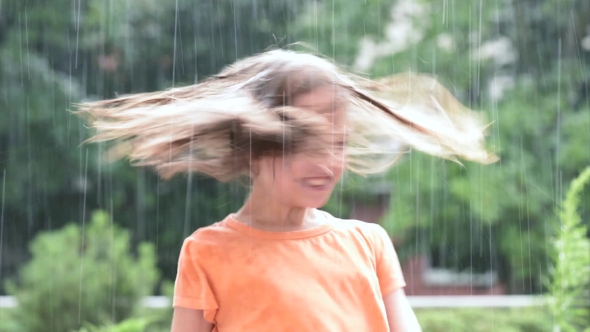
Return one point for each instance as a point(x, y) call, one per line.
point(214, 234)
point(367, 236)
point(371, 231)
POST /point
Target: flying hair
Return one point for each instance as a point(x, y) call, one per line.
point(218, 126)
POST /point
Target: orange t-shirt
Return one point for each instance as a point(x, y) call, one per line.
point(329, 278)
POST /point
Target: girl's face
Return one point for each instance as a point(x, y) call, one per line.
point(300, 180)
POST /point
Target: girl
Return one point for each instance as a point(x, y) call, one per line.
point(291, 123)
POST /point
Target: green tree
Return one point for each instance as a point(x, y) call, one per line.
point(82, 274)
point(41, 166)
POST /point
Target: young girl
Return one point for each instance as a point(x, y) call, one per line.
point(291, 123)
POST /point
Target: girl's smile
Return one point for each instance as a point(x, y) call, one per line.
point(317, 183)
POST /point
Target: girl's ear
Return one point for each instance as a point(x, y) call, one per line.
point(267, 163)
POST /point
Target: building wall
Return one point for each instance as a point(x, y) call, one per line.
point(414, 270)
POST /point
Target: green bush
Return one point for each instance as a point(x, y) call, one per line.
point(147, 319)
point(7, 321)
point(82, 275)
point(483, 320)
point(130, 325)
point(570, 274)
point(432, 320)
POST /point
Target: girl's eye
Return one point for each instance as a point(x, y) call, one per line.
point(338, 147)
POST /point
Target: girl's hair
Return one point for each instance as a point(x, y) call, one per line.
point(217, 127)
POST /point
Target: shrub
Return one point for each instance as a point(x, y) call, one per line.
point(570, 273)
point(130, 325)
point(483, 320)
point(82, 274)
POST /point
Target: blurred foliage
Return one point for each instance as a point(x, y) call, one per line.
point(484, 320)
point(431, 320)
point(8, 323)
point(569, 285)
point(130, 325)
point(82, 274)
point(144, 319)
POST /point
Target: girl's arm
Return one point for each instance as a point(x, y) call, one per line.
point(190, 320)
point(400, 315)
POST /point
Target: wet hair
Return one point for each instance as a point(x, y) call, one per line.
point(218, 126)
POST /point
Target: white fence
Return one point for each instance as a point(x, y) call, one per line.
point(484, 301)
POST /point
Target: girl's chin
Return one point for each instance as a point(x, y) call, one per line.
point(314, 202)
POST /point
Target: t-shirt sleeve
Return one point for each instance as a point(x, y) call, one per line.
point(192, 287)
point(389, 270)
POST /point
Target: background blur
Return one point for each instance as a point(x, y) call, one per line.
point(81, 241)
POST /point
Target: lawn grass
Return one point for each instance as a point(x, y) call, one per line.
point(536, 319)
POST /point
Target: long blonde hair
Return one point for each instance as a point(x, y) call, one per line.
point(218, 126)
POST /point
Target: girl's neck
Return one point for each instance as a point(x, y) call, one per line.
point(271, 215)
